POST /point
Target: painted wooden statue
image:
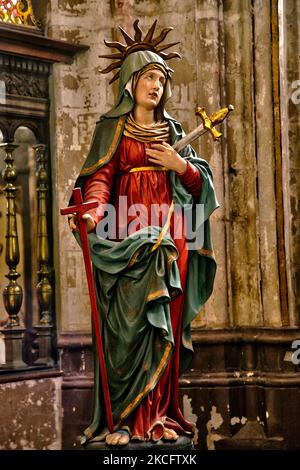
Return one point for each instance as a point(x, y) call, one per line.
point(150, 283)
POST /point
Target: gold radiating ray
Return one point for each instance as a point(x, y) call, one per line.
point(129, 40)
point(149, 35)
point(169, 56)
point(118, 55)
point(112, 67)
point(115, 45)
point(115, 77)
point(162, 36)
point(138, 31)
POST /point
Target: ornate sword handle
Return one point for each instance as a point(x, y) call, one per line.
point(209, 123)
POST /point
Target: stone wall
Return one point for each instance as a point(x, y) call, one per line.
point(34, 408)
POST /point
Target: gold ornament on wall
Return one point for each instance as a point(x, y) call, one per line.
point(18, 12)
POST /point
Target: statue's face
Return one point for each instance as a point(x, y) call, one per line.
point(149, 89)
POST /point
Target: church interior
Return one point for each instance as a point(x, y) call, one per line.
point(242, 390)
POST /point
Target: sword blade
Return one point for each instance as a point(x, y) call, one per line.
point(187, 139)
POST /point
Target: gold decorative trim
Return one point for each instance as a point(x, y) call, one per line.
point(106, 157)
point(18, 12)
point(170, 259)
point(157, 294)
point(165, 228)
point(135, 256)
point(205, 252)
point(148, 168)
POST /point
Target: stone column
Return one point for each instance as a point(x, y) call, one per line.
point(210, 95)
point(265, 160)
point(243, 236)
point(290, 133)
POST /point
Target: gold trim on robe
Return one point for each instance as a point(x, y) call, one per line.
point(106, 157)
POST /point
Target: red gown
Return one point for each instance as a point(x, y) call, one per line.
point(160, 407)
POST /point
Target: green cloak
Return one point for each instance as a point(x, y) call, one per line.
point(135, 284)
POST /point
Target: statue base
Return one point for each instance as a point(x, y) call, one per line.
point(182, 443)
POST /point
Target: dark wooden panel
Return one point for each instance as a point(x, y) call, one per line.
point(20, 42)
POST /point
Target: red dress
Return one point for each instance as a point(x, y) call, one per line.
point(160, 407)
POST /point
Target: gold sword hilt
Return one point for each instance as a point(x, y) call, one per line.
point(209, 123)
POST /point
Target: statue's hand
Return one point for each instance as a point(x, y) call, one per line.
point(72, 219)
point(90, 223)
point(164, 155)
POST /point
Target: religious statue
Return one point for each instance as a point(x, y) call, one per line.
point(150, 279)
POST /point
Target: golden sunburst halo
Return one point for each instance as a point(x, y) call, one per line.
point(137, 43)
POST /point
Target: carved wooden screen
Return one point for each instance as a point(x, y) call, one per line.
point(26, 274)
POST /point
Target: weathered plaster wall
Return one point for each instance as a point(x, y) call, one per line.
point(290, 105)
point(226, 49)
point(80, 95)
point(31, 410)
point(265, 165)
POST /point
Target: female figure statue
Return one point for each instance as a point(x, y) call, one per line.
point(149, 285)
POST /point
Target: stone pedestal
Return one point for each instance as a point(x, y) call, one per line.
point(182, 443)
point(44, 338)
point(13, 338)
